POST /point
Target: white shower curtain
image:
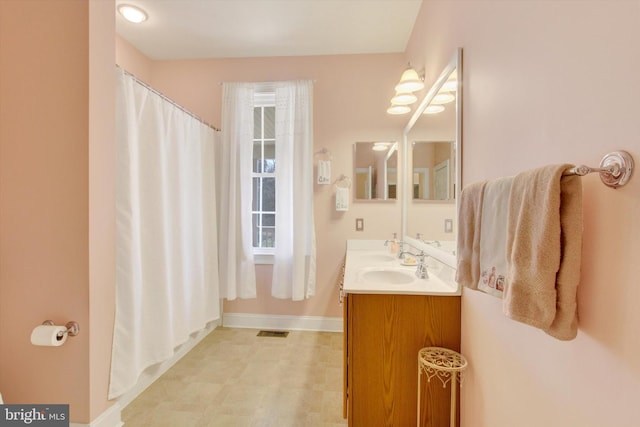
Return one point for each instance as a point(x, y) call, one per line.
point(166, 243)
point(294, 268)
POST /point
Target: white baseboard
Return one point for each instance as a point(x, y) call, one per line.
point(109, 418)
point(279, 322)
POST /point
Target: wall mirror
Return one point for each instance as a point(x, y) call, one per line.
point(433, 169)
point(375, 170)
point(433, 145)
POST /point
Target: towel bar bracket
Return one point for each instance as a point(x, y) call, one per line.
point(615, 169)
point(621, 165)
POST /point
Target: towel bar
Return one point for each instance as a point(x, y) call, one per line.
point(615, 169)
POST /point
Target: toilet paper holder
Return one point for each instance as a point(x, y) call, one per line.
point(73, 328)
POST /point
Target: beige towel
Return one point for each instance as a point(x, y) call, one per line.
point(544, 243)
point(468, 243)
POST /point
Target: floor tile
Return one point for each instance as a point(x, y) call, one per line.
point(234, 378)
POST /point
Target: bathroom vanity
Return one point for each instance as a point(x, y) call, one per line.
point(389, 315)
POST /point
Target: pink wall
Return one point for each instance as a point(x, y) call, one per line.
point(136, 63)
point(44, 261)
point(102, 182)
point(351, 94)
point(550, 82)
point(49, 257)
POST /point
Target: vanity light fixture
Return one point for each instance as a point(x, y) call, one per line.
point(132, 13)
point(398, 109)
point(404, 98)
point(433, 109)
point(442, 98)
point(410, 81)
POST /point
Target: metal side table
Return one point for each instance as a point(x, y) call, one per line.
point(445, 364)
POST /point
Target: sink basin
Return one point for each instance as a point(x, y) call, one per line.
point(388, 276)
point(373, 258)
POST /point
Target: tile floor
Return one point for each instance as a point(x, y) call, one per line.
point(234, 378)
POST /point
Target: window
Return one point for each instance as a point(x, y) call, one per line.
point(264, 174)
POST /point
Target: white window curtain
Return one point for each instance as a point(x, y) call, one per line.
point(294, 269)
point(237, 268)
point(166, 247)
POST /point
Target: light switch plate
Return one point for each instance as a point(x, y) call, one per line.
point(359, 224)
point(448, 225)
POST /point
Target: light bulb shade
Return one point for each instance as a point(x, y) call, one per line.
point(433, 109)
point(410, 81)
point(404, 98)
point(398, 109)
point(442, 98)
point(132, 13)
point(449, 86)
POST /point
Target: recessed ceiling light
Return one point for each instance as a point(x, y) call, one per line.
point(380, 146)
point(132, 13)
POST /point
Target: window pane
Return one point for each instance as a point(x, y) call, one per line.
point(255, 205)
point(268, 237)
point(269, 220)
point(257, 123)
point(269, 122)
point(269, 166)
point(268, 194)
point(269, 157)
point(256, 230)
point(257, 157)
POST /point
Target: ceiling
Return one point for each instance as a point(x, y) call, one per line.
point(190, 29)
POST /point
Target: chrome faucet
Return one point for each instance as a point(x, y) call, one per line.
point(402, 253)
point(400, 249)
point(421, 270)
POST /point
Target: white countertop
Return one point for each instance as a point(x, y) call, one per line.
point(364, 256)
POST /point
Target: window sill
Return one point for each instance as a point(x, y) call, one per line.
point(262, 258)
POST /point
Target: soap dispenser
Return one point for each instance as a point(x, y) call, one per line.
point(394, 247)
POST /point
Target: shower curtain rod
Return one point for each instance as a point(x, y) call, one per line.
point(166, 98)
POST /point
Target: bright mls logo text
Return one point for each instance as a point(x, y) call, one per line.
point(38, 415)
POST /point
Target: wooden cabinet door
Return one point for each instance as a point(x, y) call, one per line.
point(385, 333)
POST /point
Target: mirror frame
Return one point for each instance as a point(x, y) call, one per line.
point(455, 63)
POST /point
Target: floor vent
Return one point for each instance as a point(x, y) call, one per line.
point(278, 334)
